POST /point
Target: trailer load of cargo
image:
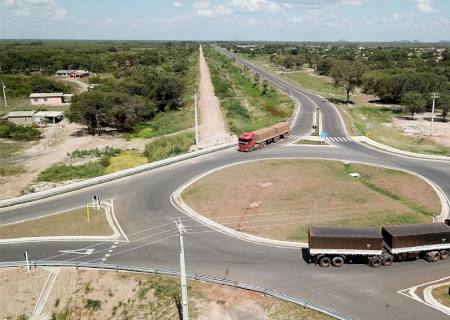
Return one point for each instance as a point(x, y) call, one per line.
point(249, 141)
point(338, 245)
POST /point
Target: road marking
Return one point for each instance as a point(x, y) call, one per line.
point(79, 251)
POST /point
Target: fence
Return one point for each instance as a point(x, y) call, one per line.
point(173, 273)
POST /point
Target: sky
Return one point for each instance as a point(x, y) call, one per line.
point(268, 20)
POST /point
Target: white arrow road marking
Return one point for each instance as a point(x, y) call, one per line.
point(79, 251)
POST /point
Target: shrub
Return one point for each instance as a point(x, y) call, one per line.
point(13, 131)
point(108, 152)
point(169, 146)
point(61, 172)
point(93, 305)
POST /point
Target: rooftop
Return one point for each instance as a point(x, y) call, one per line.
point(50, 114)
point(20, 114)
point(413, 229)
point(346, 232)
point(46, 95)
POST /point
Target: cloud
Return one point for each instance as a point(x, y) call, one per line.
point(425, 6)
point(177, 4)
point(295, 19)
point(28, 8)
point(205, 9)
point(256, 5)
point(352, 2)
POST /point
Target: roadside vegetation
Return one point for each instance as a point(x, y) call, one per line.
point(248, 102)
point(10, 170)
point(84, 164)
point(9, 130)
point(310, 192)
point(401, 78)
point(100, 294)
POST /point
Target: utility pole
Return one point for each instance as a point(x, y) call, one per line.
point(196, 120)
point(184, 294)
point(4, 95)
point(434, 96)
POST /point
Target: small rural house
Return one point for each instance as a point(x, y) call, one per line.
point(28, 118)
point(24, 118)
point(75, 74)
point(56, 98)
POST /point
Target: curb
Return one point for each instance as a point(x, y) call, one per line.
point(428, 297)
point(377, 146)
point(111, 177)
point(179, 204)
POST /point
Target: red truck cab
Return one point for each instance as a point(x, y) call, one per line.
point(246, 141)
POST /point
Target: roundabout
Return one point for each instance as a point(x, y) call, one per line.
point(280, 198)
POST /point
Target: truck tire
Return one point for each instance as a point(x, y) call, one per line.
point(444, 254)
point(276, 139)
point(325, 262)
point(337, 262)
point(388, 260)
point(433, 256)
point(375, 262)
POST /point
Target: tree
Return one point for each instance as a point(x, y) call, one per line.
point(444, 103)
point(265, 87)
point(414, 102)
point(91, 109)
point(348, 74)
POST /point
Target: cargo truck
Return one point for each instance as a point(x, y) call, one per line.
point(249, 141)
point(334, 246)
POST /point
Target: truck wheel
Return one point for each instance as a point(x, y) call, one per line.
point(337, 262)
point(375, 262)
point(276, 139)
point(434, 256)
point(444, 254)
point(387, 261)
point(325, 262)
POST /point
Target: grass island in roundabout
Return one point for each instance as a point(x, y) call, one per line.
point(279, 199)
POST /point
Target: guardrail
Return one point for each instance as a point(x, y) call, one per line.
point(111, 177)
point(191, 276)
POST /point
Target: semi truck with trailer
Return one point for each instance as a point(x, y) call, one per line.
point(334, 246)
point(249, 141)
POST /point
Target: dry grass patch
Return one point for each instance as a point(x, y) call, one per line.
point(279, 199)
point(441, 294)
point(69, 223)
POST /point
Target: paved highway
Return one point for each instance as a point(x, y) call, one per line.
point(143, 208)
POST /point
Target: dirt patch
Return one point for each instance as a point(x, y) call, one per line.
point(420, 127)
point(299, 193)
point(70, 223)
point(212, 128)
point(20, 290)
point(85, 294)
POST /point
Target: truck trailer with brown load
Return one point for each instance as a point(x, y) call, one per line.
point(249, 141)
point(338, 245)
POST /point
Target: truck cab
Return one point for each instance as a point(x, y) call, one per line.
point(246, 141)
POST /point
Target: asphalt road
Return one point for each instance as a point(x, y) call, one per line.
point(143, 208)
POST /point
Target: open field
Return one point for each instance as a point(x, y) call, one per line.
point(69, 223)
point(279, 199)
point(362, 117)
point(85, 294)
point(441, 294)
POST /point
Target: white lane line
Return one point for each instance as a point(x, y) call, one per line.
point(331, 138)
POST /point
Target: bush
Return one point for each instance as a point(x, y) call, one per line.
point(87, 153)
point(61, 172)
point(13, 131)
point(166, 147)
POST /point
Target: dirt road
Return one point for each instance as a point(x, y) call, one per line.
point(212, 129)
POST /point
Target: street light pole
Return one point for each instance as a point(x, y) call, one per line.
point(4, 95)
point(196, 120)
point(184, 294)
point(434, 96)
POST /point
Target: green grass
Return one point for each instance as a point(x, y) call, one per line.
point(361, 118)
point(9, 130)
point(246, 106)
point(61, 172)
point(125, 160)
point(170, 146)
point(6, 171)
